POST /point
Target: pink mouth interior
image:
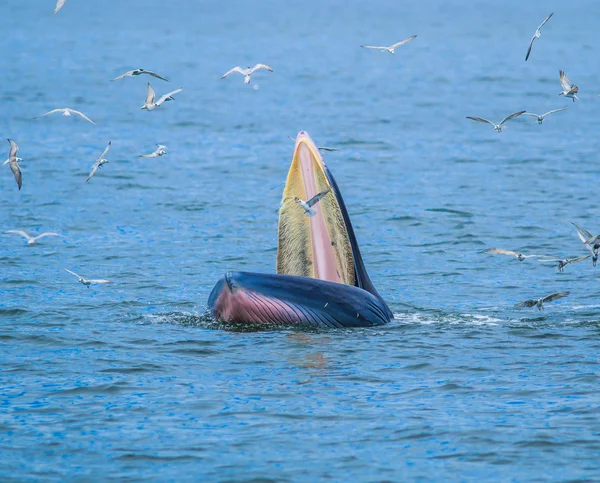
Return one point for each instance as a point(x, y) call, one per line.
point(324, 260)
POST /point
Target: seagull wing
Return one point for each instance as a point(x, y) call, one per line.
point(544, 22)
point(126, 74)
point(73, 111)
point(512, 116)
point(315, 199)
point(154, 74)
point(73, 273)
point(167, 97)
point(93, 171)
point(260, 66)
point(555, 110)
point(103, 282)
point(530, 114)
point(551, 260)
point(106, 150)
point(590, 248)
point(52, 112)
point(555, 296)
point(583, 234)
point(527, 303)
point(49, 233)
point(17, 173)
point(373, 47)
point(59, 5)
point(579, 259)
point(235, 69)
point(150, 94)
point(565, 82)
point(14, 147)
point(530, 46)
point(500, 251)
point(534, 256)
point(402, 42)
point(480, 119)
point(18, 232)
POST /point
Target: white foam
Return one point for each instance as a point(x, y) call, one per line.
point(450, 319)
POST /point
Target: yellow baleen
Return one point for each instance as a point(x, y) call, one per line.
point(317, 246)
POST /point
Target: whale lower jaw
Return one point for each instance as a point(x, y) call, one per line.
point(264, 299)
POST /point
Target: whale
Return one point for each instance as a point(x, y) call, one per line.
point(320, 279)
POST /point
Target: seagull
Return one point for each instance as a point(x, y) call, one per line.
point(87, 282)
point(139, 72)
point(536, 35)
point(99, 162)
point(519, 256)
point(59, 5)
point(497, 127)
point(562, 263)
point(247, 72)
point(319, 148)
point(540, 118)
point(30, 239)
point(159, 151)
point(592, 243)
point(569, 89)
point(67, 112)
point(150, 105)
point(13, 162)
point(539, 302)
point(391, 48)
point(307, 205)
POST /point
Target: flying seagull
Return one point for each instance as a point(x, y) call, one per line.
point(308, 205)
point(159, 151)
point(540, 118)
point(536, 35)
point(319, 148)
point(497, 127)
point(59, 5)
point(87, 282)
point(67, 112)
point(139, 72)
point(99, 162)
point(519, 256)
point(391, 48)
point(13, 162)
point(569, 89)
point(149, 103)
point(562, 263)
point(30, 239)
point(592, 243)
point(540, 302)
point(247, 72)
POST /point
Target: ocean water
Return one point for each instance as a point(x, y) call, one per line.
point(132, 382)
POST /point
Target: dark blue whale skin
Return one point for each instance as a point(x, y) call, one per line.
point(304, 300)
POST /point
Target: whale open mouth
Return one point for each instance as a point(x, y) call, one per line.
point(321, 279)
point(317, 246)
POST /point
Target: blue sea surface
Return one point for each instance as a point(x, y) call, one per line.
point(132, 382)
